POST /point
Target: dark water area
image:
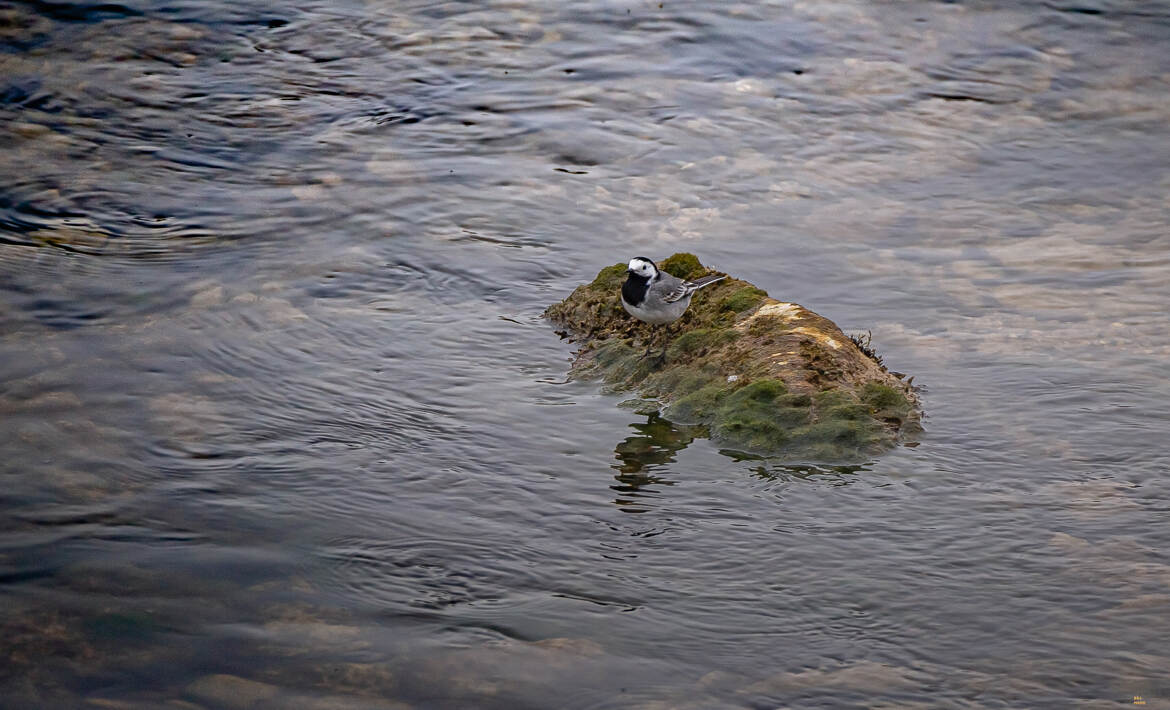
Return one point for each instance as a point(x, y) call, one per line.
point(282, 425)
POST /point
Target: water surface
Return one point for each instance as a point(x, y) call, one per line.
point(282, 426)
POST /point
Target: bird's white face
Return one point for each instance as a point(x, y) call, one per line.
point(642, 267)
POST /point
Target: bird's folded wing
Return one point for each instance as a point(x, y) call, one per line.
point(679, 291)
point(685, 288)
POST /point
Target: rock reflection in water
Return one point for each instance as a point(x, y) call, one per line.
point(655, 444)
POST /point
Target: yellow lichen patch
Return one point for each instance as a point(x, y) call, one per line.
point(819, 335)
point(779, 309)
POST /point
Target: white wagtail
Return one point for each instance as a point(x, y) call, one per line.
point(655, 297)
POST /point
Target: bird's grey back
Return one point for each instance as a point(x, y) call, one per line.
point(665, 283)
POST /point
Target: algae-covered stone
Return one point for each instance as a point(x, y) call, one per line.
point(641, 406)
point(766, 377)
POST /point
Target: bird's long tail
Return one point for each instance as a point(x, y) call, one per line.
point(706, 281)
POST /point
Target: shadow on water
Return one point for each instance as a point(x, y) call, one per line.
point(642, 455)
point(656, 443)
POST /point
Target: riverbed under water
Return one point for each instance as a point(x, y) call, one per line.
point(281, 425)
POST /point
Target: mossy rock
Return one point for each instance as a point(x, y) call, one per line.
point(698, 406)
point(682, 265)
point(765, 377)
point(743, 299)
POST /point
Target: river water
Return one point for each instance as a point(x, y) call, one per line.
point(282, 425)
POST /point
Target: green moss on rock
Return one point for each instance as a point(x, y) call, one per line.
point(645, 407)
point(609, 278)
point(618, 363)
point(699, 406)
point(742, 299)
point(795, 400)
point(760, 416)
point(674, 382)
point(751, 420)
point(852, 412)
point(689, 343)
point(834, 397)
point(762, 392)
point(886, 403)
point(683, 265)
point(696, 342)
point(751, 433)
point(843, 433)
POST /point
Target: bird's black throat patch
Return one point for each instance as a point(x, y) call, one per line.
point(635, 288)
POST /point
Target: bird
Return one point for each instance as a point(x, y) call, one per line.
point(655, 297)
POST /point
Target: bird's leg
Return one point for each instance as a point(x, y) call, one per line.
point(649, 347)
point(666, 334)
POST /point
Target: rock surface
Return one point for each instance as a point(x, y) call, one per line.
point(766, 377)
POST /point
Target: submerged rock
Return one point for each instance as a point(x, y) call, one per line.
point(766, 377)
